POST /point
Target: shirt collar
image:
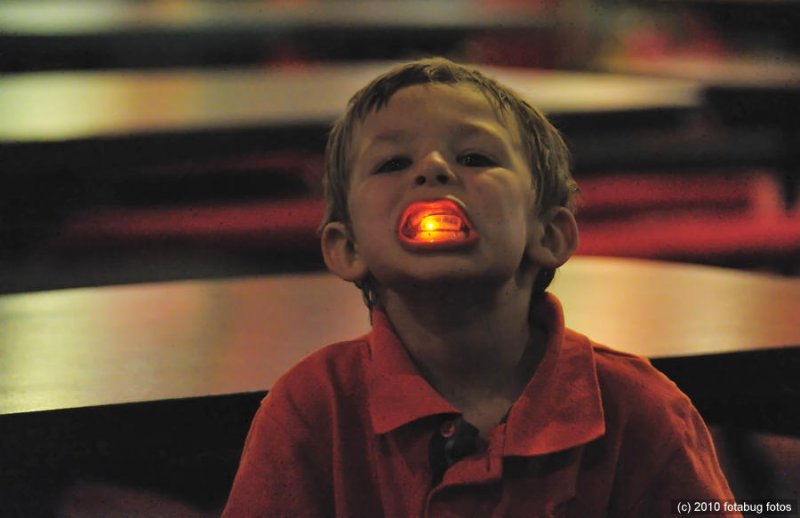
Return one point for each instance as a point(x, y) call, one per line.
point(560, 407)
point(398, 394)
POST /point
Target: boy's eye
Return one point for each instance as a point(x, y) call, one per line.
point(476, 160)
point(393, 164)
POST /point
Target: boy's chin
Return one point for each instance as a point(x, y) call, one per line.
point(426, 280)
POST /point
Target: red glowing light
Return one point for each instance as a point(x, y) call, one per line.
point(435, 224)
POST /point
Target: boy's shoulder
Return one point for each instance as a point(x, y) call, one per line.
point(632, 376)
point(335, 365)
point(621, 370)
point(336, 372)
point(635, 394)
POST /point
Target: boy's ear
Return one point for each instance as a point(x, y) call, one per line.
point(340, 252)
point(555, 238)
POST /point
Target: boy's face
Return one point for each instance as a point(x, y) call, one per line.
point(443, 144)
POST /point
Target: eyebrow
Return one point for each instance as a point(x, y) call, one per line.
point(477, 129)
point(462, 130)
point(385, 137)
point(391, 136)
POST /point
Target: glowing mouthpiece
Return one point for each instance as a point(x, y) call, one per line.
point(437, 227)
point(435, 224)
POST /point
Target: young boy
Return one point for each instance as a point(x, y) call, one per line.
point(450, 204)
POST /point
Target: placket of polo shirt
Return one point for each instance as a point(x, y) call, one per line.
point(547, 488)
point(482, 468)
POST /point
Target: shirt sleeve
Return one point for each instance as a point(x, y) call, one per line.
point(278, 475)
point(690, 473)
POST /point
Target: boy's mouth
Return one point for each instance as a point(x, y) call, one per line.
point(435, 224)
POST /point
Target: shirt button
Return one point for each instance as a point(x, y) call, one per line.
point(447, 429)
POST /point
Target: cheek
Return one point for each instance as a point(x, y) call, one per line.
point(510, 200)
point(508, 216)
point(370, 214)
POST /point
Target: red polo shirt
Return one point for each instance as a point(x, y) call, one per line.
point(596, 432)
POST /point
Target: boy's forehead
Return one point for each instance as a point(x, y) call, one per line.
point(462, 98)
point(463, 95)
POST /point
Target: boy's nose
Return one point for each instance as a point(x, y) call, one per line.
point(434, 171)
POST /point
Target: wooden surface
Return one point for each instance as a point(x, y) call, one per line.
point(754, 91)
point(105, 34)
point(202, 18)
point(93, 125)
point(760, 92)
point(49, 107)
point(99, 346)
point(766, 71)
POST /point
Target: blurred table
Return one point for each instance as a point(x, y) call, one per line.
point(101, 346)
point(67, 112)
point(154, 386)
point(768, 70)
point(760, 92)
point(119, 34)
point(756, 91)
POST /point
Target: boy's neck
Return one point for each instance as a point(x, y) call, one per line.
point(473, 343)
